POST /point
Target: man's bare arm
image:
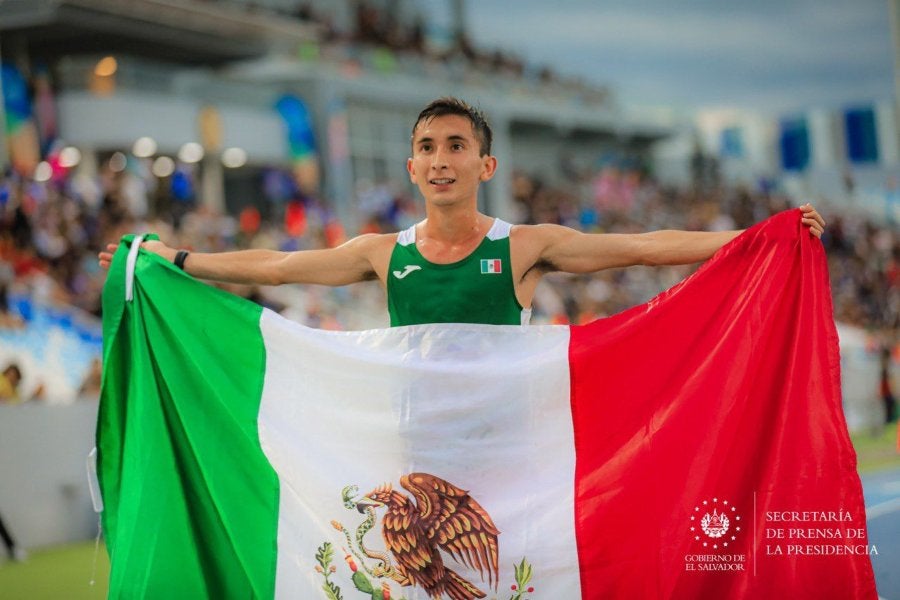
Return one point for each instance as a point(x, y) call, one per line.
point(557, 248)
point(575, 252)
point(350, 262)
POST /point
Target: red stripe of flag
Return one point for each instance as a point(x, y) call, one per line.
point(724, 388)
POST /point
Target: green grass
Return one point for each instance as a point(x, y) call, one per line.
point(58, 573)
point(876, 451)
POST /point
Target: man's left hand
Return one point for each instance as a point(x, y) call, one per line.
point(812, 219)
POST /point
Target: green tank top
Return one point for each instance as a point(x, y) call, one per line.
point(476, 289)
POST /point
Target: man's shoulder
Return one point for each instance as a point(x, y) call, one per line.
point(375, 248)
point(539, 234)
point(374, 240)
point(527, 244)
point(372, 249)
point(531, 245)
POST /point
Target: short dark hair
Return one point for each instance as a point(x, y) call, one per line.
point(13, 367)
point(454, 106)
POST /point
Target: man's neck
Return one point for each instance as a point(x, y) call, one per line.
point(454, 224)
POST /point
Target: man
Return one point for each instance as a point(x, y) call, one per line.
point(458, 265)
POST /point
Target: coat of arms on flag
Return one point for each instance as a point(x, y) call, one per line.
point(419, 534)
point(491, 266)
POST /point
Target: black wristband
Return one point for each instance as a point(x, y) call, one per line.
point(180, 257)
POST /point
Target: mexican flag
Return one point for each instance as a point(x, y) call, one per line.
point(691, 447)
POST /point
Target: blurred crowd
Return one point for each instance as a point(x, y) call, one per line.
point(863, 256)
point(389, 41)
point(50, 234)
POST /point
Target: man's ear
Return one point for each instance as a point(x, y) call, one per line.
point(488, 167)
point(411, 170)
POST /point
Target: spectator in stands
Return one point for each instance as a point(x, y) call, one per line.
point(10, 391)
point(90, 385)
point(9, 384)
point(7, 319)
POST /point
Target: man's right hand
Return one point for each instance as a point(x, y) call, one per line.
point(157, 247)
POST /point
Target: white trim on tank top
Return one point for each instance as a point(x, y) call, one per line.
point(499, 230)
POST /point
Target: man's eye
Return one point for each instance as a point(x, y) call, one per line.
point(425, 147)
point(457, 146)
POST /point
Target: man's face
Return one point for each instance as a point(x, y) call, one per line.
point(446, 164)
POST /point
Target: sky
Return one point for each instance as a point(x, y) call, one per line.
point(765, 55)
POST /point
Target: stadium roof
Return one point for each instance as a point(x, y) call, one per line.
point(186, 32)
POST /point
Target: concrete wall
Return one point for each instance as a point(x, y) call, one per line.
point(44, 494)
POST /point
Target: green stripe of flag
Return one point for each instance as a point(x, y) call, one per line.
point(183, 418)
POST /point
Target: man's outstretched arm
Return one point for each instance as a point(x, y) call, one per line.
point(574, 252)
point(350, 262)
point(557, 248)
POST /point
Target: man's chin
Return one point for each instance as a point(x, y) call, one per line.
point(443, 197)
point(443, 201)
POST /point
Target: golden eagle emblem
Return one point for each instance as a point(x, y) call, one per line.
point(442, 517)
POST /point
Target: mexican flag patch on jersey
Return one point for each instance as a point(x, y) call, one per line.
point(491, 265)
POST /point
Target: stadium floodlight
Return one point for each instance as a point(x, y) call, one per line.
point(43, 172)
point(163, 166)
point(117, 162)
point(106, 67)
point(69, 157)
point(144, 147)
point(234, 157)
point(190, 153)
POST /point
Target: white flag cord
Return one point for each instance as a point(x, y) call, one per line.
point(97, 501)
point(129, 267)
point(93, 482)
